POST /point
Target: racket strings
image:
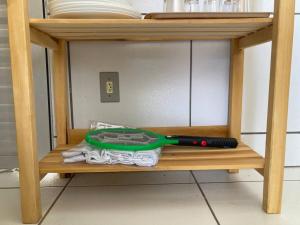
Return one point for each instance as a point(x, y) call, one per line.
point(138, 138)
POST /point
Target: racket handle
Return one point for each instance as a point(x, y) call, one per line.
point(215, 142)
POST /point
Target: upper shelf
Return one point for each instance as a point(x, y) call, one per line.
point(149, 29)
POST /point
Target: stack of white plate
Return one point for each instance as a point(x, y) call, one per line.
point(102, 9)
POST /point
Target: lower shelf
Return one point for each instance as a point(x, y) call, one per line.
point(173, 158)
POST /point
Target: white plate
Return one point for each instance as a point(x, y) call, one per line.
point(87, 3)
point(99, 9)
point(93, 15)
point(94, 9)
point(83, 7)
point(122, 2)
point(57, 3)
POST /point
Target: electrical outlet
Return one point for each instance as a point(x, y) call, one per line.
point(109, 87)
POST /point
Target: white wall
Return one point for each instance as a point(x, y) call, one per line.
point(155, 83)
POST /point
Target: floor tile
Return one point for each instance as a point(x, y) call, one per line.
point(213, 176)
point(131, 178)
point(10, 207)
point(53, 180)
point(175, 204)
point(240, 203)
point(11, 180)
point(292, 173)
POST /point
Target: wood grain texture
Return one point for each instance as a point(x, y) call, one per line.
point(259, 37)
point(22, 79)
point(60, 87)
point(149, 30)
point(39, 38)
point(205, 15)
point(173, 158)
point(283, 29)
point(77, 135)
point(235, 92)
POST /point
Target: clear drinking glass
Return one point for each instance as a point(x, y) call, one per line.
point(226, 5)
point(234, 5)
point(211, 5)
point(192, 5)
point(174, 5)
point(245, 7)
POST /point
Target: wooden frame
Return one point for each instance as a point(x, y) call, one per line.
point(243, 33)
point(283, 28)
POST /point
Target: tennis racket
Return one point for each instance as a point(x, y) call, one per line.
point(130, 139)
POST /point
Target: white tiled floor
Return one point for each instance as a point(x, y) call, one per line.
point(132, 178)
point(11, 180)
point(154, 198)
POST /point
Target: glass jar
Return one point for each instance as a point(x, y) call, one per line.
point(194, 5)
point(174, 5)
point(234, 5)
point(211, 5)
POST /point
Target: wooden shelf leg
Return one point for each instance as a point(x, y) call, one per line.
point(283, 27)
point(60, 86)
point(235, 92)
point(22, 80)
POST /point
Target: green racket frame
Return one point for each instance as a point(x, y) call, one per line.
point(161, 140)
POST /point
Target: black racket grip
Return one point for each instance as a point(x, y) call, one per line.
point(214, 142)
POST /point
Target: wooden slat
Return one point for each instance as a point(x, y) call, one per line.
point(282, 45)
point(145, 29)
point(75, 136)
point(164, 35)
point(173, 158)
point(150, 39)
point(60, 87)
point(42, 39)
point(235, 91)
point(137, 29)
point(244, 22)
point(259, 37)
point(24, 103)
point(205, 15)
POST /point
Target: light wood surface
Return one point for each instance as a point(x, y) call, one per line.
point(173, 158)
point(42, 39)
point(77, 135)
point(22, 80)
point(235, 91)
point(60, 88)
point(259, 37)
point(205, 15)
point(150, 30)
point(278, 103)
point(249, 31)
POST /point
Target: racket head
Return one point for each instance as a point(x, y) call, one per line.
point(125, 139)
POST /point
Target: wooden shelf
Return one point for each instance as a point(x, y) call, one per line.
point(149, 29)
point(173, 158)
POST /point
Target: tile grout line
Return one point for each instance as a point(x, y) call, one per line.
point(127, 185)
point(54, 202)
point(206, 200)
point(71, 106)
point(232, 182)
point(191, 83)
